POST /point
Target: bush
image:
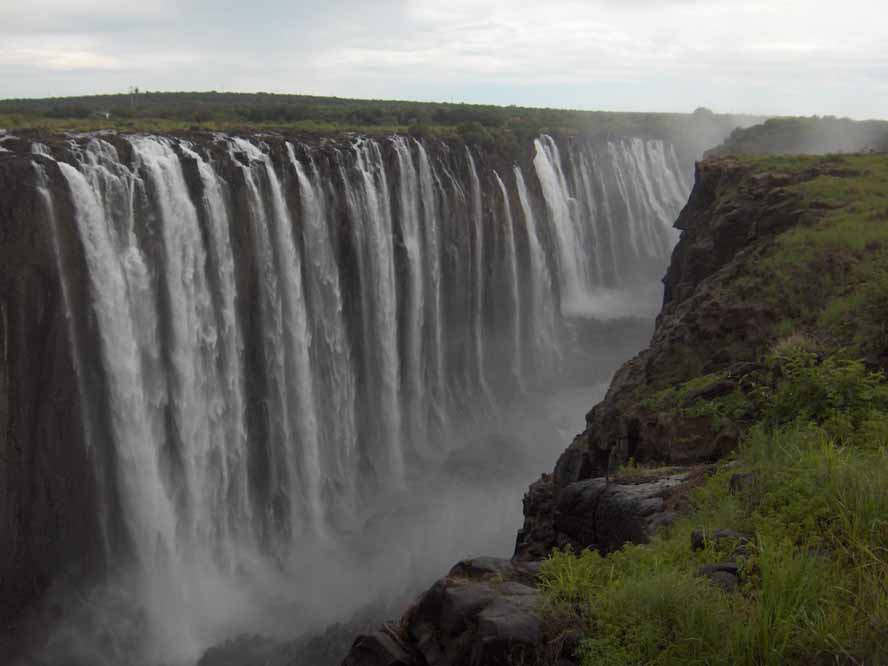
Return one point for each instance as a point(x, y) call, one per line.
point(838, 393)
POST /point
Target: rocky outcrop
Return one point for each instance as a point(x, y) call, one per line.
point(600, 513)
point(485, 612)
point(488, 611)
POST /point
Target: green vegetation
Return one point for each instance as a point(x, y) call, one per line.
point(169, 112)
point(829, 277)
point(814, 135)
point(814, 576)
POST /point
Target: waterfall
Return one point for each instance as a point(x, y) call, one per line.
point(611, 220)
point(49, 211)
point(409, 199)
point(435, 376)
point(371, 215)
point(232, 487)
point(290, 332)
point(478, 279)
point(512, 269)
point(543, 319)
point(332, 357)
point(572, 258)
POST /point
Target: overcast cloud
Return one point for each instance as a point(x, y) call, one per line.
point(788, 57)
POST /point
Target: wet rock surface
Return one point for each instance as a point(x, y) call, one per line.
point(597, 513)
point(484, 612)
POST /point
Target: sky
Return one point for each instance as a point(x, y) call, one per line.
point(764, 57)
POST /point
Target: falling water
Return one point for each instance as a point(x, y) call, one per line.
point(436, 378)
point(332, 356)
point(409, 199)
point(572, 255)
point(543, 320)
point(512, 268)
point(478, 270)
point(371, 214)
point(291, 333)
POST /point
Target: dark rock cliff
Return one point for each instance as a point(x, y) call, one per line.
point(47, 508)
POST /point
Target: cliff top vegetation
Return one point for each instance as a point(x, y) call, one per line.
point(814, 135)
point(476, 123)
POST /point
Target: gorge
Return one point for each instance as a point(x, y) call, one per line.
point(246, 352)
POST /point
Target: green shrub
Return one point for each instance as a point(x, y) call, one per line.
point(838, 393)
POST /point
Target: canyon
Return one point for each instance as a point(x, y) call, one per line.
point(232, 364)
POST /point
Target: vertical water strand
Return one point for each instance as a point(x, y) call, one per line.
point(572, 273)
point(458, 291)
point(149, 515)
point(478, 279)
point(608, 215)
point(669, 186)
point(196, 400)
point(233, 489)
point(113, 188)
point(334, 374)
point(657, 220)
point(543, 317)
point(584, 181)
point(652, 213)
point(684, 184)
point(304, 455)
point(667, 179)
point(514, 285)
point(379, 253)
point(73, 342)
point(409, 204)
point(276, 401)
point(428, 180)
point(632, 214)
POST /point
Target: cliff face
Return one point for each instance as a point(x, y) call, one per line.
point(46, 476)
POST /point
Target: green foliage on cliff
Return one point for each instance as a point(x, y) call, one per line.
point(813, 135)
point(828, 276)
point(814, 576)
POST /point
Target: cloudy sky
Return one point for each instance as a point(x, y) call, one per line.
point(758, 56)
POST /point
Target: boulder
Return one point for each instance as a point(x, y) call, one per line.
point(483, 613)
point(599, 513)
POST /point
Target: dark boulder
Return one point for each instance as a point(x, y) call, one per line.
point(485, 612)
point(599, 513)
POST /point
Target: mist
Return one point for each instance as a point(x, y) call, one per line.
point(465, 505)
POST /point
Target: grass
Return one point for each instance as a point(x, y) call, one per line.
point(814, 581)
point(173, 125)
point(829, 275)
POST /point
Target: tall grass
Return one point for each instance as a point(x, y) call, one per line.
point(814, 582)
